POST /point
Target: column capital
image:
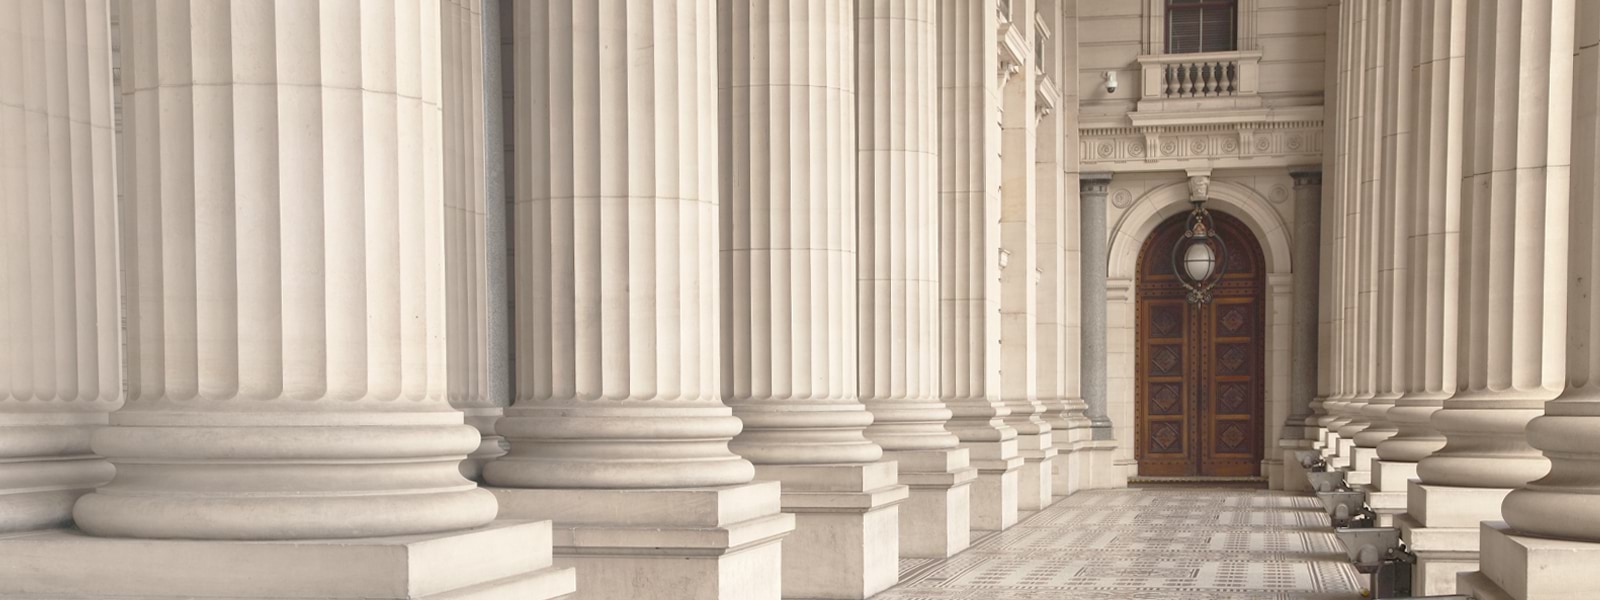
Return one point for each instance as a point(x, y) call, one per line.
point(1095, 182)
point(1304, 176)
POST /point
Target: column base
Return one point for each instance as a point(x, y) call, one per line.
point(1272, 468)
point(1293, 478)
point(1441, 527)
point(994, 493)
point(1387, 493)
point(1071, 468)
point(846, 540)
point(505, 560)
point(1360, 465)
point(719, 543)
point(1036, 482)
point(936, 519)
point(1341, 454)
point(1517, 567)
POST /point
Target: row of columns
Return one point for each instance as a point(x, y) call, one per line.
point(769, 270)
point(1460, 286)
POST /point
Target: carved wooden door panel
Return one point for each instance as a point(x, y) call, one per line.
point(1200, 392)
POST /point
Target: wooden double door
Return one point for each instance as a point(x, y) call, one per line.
point(1200, 397)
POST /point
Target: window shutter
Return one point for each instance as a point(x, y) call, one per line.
point(1202, 26)
point(1216, 27)
point(1183, 30)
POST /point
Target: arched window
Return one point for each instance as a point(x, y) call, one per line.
point(1202, 26)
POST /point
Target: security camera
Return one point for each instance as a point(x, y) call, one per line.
point(1111, 82)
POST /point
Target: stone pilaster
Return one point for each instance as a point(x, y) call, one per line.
point(897, 251)
point(788, 256)
point(1020, 273)
point(1514, 315)
point(618, 345)
point(59, 310)
point(471, 371)
point(1550, 540)
point(970, 257)
point(286, 358)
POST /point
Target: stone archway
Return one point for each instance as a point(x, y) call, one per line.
point(1127, 237)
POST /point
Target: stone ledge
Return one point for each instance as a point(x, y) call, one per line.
point(504, 560)
point(1518, 567)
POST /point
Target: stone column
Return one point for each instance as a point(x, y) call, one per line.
point(59, 313)
point(1550, 540)
point(1020, 275)
point(970, 257)
point(1394, 199)
point(1307, 243)
point(1093, 235)
point(1434, 255)
point(1333, 219)
point(1303, 386)
point(788, 257)
point(286, 357)
point(897, 249)
point(1351, 117)
point(618, 431)
point(466, 225)
point(1056, 177)
point(1515, 309)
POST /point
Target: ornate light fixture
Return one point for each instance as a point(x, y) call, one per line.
point(1199, 257)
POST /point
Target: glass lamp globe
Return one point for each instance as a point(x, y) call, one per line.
point(1198, 261)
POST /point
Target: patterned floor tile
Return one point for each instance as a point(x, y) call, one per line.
point(1148, 544)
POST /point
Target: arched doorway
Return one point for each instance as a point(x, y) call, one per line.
point(1200, 389)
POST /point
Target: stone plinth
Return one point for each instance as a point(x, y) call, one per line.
point(1518, 567)
point(720, 543)
point(1441, 527)
point(1036, 479)
point(936, 518)
point(847, 524)
point(504, 560)
point(994, 493)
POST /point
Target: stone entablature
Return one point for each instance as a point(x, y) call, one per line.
point(1166, 147)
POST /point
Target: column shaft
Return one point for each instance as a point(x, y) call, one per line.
point(59, 309)
point(1565, 504)
point(616, 279)
point(1516, 321)
point(1094, 238)
point(472, 366)
point(268, 308)
point(788, 231)
point(1307, 242)
point(1435, 244)
point(969, 255)
point(897, 209)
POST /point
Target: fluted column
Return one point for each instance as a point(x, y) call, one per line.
point(1516, 274)
point(1094, 238)
point(1565, 504)
point(789, 232)
point(619, 399)
point(1514, 283)
point(1392, 226)
point(1434, 259)
point(616, 280)
point(969, 256)
point(320, 359)
point(1367, 189)
point(789, 294)
point(59, 309)
point(897, 120)
point(1347, 243)
point(897, 125)
point(1307, 242)
point(475, 371)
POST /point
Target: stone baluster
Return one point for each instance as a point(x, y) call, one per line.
point(1514, 315)
point(59, 309)
point(789, 327)
point(969, 257)
point(897, 256)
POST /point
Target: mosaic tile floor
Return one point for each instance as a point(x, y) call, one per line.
point(1148, 544)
